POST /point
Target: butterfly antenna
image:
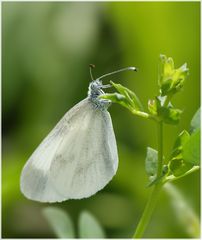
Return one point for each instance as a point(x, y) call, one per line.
point(120, 70)
point(91, 66)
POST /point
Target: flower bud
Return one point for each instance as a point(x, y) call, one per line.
point(171, 80)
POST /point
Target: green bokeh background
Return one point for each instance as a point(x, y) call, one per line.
point(46, 50)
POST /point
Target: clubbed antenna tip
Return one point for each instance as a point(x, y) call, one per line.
point(92, 65)
point(133, 69)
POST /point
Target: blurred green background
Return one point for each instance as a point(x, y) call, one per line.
point(46, 50)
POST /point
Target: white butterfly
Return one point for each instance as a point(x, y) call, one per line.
point(79, 156)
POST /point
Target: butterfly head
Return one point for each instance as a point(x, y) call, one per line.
point(96, 86)
point(94, 91)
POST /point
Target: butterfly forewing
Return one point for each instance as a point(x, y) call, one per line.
point(77, 159)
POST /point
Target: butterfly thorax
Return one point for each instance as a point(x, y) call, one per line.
point(94, 93)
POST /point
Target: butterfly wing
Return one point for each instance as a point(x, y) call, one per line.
point(77, 159)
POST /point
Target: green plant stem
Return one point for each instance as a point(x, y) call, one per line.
point(160, 148)
point(173, 178)
point(139, 113)
point(146, 216)
point(143, 114)
point(152, 201)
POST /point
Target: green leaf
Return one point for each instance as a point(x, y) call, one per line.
point(180, 141)
point(166, 86)
point(89, 227)
point(155, 104)
point(151, 162)
point(166, 68)
point(169, 114)
point(158, 179)
point(191, 149)
point(179, 167)
point(195, 122)
point(131, 97)
point(123, 101)
point(117, 98)
point(177, 164)
point(60, 222)
point(151, 166)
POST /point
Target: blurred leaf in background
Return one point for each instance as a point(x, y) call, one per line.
point(89, 227)
point(60, 222)
point(46, 51)
point(185, 215)
point(196, 121)
point(62, 225)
